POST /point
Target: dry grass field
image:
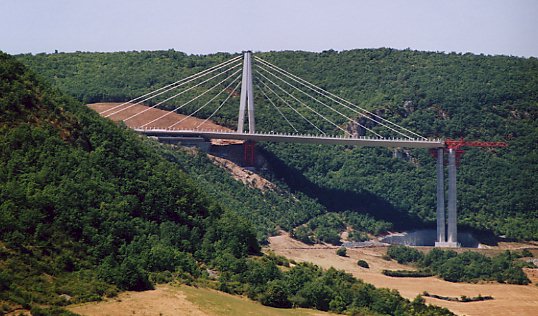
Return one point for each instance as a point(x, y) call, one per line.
point(168, 300)
point(164, 300)
point(508, 299)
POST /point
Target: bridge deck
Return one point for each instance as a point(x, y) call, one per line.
point(290, 138)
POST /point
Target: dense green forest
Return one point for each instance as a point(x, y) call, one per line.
point(328, 227)
point(492, 98)
point(80, 194)
point(88, 208)
point(461, 267)
point(267, 211)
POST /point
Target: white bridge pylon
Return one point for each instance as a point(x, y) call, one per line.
point(247, 96)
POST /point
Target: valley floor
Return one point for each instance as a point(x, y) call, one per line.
point(508, 299)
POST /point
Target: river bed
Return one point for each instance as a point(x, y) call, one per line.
point(426, 237)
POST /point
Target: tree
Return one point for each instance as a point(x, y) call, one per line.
point(404, 254)
point(315, 294)
point(363, 264)
point(276, 294)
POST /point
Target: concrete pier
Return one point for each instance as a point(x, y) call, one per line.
point(441, 222)
point(447, 235)
point(452, 232)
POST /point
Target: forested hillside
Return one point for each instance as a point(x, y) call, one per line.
point(88, 208)
point(79, 194)
point(437, 95)
point(492, 98)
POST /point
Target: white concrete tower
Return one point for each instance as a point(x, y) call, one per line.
point(441, 219)
point(452, 231)
point(247, 96)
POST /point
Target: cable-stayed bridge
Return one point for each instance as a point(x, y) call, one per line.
point(290, 109)
point(295, 138)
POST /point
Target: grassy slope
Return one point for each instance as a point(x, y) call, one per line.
point(218, 303)
point(180, 300)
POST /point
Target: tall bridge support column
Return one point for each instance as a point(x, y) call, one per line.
point(247, 96)
point(441, 223)
point(452, 236)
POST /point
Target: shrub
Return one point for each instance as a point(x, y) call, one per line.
point(357, 236)
point(463, 298)
point(386, 258)
point(303, 233)
point(127, 276)
point(363, 264)
point(328, 235)
point(342, 251)
point(5, 281)
point(50, 311)
point(407, 273)
point(315, 294)
point(404, 254)
point(515, 275)
point(276, 295)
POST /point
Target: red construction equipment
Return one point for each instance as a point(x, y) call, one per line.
point(249, 152)
point(457, 144)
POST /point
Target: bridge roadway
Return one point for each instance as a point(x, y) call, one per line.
point(291, 138)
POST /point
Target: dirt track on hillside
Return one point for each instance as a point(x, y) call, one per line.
point(508, 299)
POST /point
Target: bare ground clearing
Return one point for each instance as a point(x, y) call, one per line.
point(247, 177)
point(162, 121)
point(508, 299)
